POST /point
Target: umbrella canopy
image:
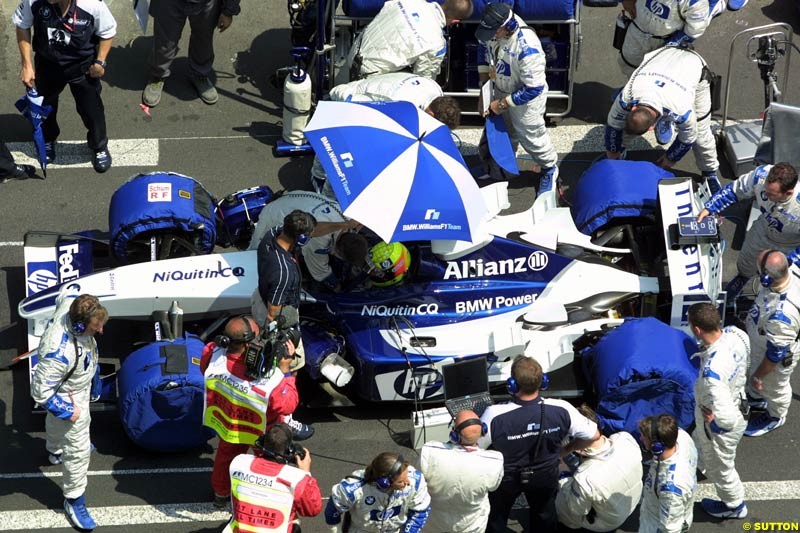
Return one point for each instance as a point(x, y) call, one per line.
point(32, 107)
point(396, 169)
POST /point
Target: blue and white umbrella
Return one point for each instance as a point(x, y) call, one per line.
point(396, 169)
point(32, 107)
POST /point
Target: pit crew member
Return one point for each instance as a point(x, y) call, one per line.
point(331, 238)
point(239, 407)
point(669, 487)
point(663, 22)
point(509, 52)
point(71, 43)
point(719, 393)
point(406, 34)
point(669, 88)
point(605, 488)
point(389, 496)
point(772, 188)
point(275, 482)
point(62, 383)
point(460, 476)
point(773, 325)
point(529, 431)
point(424, 93)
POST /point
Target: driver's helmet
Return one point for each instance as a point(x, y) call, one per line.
point(391, 261)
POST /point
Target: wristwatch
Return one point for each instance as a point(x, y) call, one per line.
point(101, 63)
point(502, 105)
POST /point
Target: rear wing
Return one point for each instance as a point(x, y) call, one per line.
point(695, 270)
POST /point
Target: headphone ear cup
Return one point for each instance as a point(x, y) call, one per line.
point(484, 429)
point(545, 382)
point(223, 341)
point(512, 386)
point(79, 327)
point(454, 437)
point(383, 483)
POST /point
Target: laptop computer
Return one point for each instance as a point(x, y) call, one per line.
point(466, 386)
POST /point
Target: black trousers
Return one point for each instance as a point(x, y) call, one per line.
point(541, 503)
point(51, 78)
point(6, 161)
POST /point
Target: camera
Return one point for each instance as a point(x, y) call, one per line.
point(264, 352)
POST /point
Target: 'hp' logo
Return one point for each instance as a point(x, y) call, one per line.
point(347, 159)
point(432, 214)
point(39, 280)
point(537, 260)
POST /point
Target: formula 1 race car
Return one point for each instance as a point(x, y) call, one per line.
point(531, 283)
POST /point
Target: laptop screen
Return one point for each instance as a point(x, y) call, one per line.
point(465, 378)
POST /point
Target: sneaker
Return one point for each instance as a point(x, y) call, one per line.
point(50, 152)
point(664, 132)
point(151, 95)
point(548, 179)
point(720, 509)
point(736, 5)
point(221, 502)
point(206, 89)
point(300, 431)
point(101, 160)
point(19, 172)
point(756, 403)
point(712, 180)
point(763, 425)
point(78, 515)
point(54, 458)
point(735, 286)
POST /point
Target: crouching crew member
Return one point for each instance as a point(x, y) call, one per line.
point(390, 496)
point(605, 488)
point(271, 488)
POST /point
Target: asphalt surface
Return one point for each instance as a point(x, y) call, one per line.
point(228, 147)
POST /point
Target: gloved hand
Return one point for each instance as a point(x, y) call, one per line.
point(793, 257)
point(679, 39)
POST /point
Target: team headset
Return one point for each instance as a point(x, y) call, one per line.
point(764, 278)
point(455, 433)
point(302, 239)
point(223, 341)
point(288, 456)
point(82, 321)
point(384, 482)
point(513, 387)
point(656, 446)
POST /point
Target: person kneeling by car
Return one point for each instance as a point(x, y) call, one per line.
point(271, 488)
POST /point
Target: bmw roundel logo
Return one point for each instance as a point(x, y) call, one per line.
point(537, 260)
point(369, 500)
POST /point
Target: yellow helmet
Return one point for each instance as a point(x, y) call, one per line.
point(392, 260)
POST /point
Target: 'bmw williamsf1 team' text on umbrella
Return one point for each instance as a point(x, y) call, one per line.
point(396, 169)
point(31, 106)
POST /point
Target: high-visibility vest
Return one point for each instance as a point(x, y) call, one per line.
point(234, 407)
point(261, 502)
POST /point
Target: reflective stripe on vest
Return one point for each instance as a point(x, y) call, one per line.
point(236, 408)
point(262, 503)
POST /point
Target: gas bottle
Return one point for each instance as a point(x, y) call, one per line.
point(296, 99)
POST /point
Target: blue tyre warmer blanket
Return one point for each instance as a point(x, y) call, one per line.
point(612, 189)
point(530, 10)
point(642, 368)
point(161, 396)
point(161, 202)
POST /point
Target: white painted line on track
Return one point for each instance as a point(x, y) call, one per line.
point(115, 516)
point(757, 490)
point(11, 243)
point(141, 471)
point(76, 154)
